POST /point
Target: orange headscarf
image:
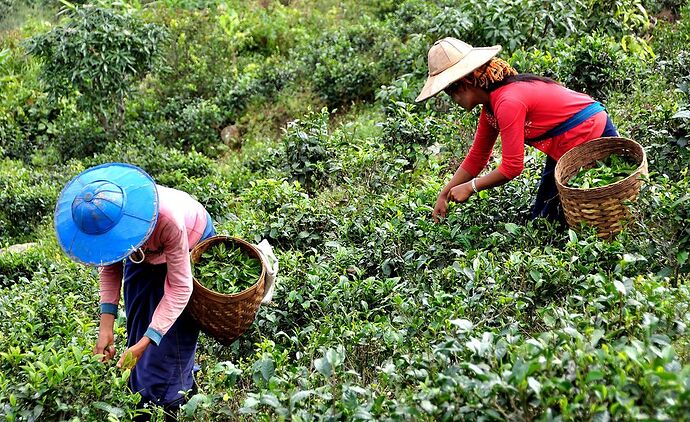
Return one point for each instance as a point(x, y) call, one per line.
point(493, 71)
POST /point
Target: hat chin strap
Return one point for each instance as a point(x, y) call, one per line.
point(132, 256)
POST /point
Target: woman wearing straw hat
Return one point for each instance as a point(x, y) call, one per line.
point(522, 108)
point(115, 217)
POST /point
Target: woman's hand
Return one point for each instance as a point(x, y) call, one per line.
point(440, 208)
point(461, 193)
point(131, 356)
point(105, 345)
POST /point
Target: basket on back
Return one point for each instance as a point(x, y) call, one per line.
point(602, 207)
point(226, 316)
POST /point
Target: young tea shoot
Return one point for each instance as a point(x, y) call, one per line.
point(227, 269)
point(611, 170)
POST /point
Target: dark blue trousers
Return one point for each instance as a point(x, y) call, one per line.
point(547, 203)
point(163, 371)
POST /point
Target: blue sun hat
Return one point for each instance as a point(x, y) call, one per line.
point(105, 213)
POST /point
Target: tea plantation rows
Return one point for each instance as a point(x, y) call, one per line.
point(294, 121)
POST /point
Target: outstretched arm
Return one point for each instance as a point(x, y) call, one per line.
point(462, 192)
point(476, 160)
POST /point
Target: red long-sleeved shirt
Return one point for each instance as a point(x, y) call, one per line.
point(527, 110)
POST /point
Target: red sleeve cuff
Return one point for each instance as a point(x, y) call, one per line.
point(510, 172)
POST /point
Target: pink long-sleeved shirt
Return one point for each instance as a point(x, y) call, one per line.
point(181, 223)
point(526, 110)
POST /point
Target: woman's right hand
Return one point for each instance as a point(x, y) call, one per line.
point(105, 345)
point(440, 208)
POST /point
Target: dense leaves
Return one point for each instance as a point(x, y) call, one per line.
point(612, 169)
point(99, 53)
point(378, 312)
point(226, 268)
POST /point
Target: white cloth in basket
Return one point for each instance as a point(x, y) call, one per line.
point(271, 269)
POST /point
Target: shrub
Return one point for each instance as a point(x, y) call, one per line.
point(595, 64)
point(27, 197)
point(197, 54)
point(100, 53)
point(193, 125)
point(662, 224)
point(350, 64)
point(306, 149)
point(168, 165)
point(48, 370)
point(27, 120)
point(15, 266)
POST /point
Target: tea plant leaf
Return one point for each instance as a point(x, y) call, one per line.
point(116, 411)
point(534, 385)
point(299, 396)
point(323, 366)
point(463, 325)
point(620, 287)
point(265, 368)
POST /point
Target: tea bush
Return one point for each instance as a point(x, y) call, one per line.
point(196, 125)
point(665, 218)
point(197, 54)
point(27, 121)
point(307, 150)
point(595, 64)
point(379, 313)
point(344, 65)
point(48, 369)
point(27, 198)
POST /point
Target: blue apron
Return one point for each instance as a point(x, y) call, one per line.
point(547, 203)
point(164, 370)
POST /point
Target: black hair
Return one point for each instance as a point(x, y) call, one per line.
point(520, 77)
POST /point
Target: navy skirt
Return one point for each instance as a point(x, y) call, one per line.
point(164, 372)
point(547, 203)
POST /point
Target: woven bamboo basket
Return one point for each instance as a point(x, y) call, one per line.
point(603, 207)
point(226, 316)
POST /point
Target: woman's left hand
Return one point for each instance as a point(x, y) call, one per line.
point(131, 356)
point(461, 192)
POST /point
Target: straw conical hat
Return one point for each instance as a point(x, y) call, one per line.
point(451, 59)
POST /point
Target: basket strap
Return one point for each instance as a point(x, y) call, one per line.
point(572, 122)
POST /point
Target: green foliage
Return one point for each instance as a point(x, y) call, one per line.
point(195, 125)
point(595, 64)
point(307, 150)
point(47, 366)
point(350, 64)
point(611, 170)
point(663, 224)
point(6, 6)
point(99, 53)
point(520, 23)
point(21, 265)
point(379, 313)
point(27, 198)
point(27, 119)
point(227, 268)
point(283, 213)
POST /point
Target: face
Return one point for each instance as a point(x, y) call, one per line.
point(465, 95)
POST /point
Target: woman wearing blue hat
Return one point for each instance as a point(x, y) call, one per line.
point(115, 217)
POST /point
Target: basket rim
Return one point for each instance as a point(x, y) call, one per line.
point(638, 171)
point(239, 295)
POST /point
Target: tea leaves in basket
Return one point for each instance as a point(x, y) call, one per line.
point(611, 170)
point(227, 269)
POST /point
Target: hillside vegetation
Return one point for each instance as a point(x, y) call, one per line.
point(294, 121)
